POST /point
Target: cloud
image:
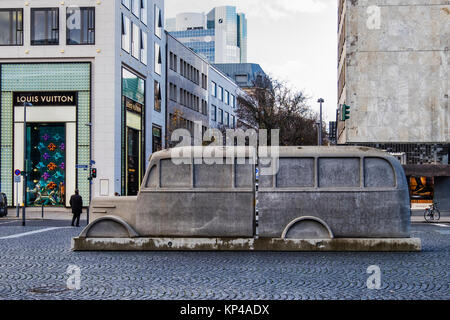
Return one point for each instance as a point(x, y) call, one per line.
point(271, 9)
point(279, 9)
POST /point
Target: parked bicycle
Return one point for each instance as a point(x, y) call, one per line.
point(432, 213)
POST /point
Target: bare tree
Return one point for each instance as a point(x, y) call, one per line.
point(272, 104)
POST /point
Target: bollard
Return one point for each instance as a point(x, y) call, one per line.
point(23, 215)
point(42, 211)
point(87, 215)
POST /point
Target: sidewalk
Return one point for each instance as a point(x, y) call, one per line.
point(36, 214)
point(417, 219)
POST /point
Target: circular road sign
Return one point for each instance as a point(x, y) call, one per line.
point(17, 172)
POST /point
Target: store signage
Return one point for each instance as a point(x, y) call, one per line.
point(133, 106)
point(45, 98)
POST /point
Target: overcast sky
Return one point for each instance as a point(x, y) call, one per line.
point(292, 40)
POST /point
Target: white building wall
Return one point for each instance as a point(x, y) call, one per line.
point(106, 58)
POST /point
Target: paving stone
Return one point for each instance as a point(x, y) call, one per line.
point(41, 260)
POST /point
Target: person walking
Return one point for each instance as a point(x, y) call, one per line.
point(76, 202)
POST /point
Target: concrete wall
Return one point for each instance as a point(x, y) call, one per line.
point(397, 71)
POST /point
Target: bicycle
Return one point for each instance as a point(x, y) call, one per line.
point(432, 213)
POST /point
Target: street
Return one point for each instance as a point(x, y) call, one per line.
point(34, 262)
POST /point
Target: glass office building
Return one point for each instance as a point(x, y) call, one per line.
point(221, 39)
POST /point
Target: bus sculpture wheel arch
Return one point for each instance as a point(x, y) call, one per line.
point(307, 228)
point(357, 199)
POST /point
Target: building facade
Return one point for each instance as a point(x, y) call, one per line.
point(223, 95)
point(393, 74)
point(199, 96)
point(220, 36)
point(244, 74)
point(90, 76)
point(187, 94)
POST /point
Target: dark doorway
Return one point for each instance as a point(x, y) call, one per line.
point(132, 161)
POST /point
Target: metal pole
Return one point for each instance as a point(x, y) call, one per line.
point(24, 199)
point(17, 199)
point(320, 121)
point(89, 168)
point(42, 210)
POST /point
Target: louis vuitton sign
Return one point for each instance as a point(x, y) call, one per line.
point(45, 98)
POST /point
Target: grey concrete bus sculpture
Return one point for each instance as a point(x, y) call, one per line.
point(318, 198)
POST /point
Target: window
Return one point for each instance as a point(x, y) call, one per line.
point(378, 173)
point(204, 81)
point(144, 8)
point(204, 107)
point(158, 22)
point(220, 116)
point(135, 39)
point(227, 97)
point(157, 138)
point(173, 92)
point(214, 89)
point(158, 59)
point(227, 119)
point(80, 25)
point(339, 172)
point(152, 180)
point(296, 172)
point(233, 101)
point(135, 7)
point(143, 47)
point(126, 38)
point(233, 122)
point(222, 174)
point(220, 93)
point(44, 26)
point(126, 3)
point(175, 175)
point(213, 113)
point(241, 78)
point(244, 174)
point(158, 96)
point(11, 27)
point(175, 63)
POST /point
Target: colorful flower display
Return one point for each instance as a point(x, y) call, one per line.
point(51, 185)
point(52, 166)
point(51, 147)
point(46, 184)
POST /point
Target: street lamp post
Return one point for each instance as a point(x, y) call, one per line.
point(319, 129)
point(25, 173)
point(89, 168)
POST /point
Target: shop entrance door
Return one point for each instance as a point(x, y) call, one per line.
point(46, 152)
point(133, 161)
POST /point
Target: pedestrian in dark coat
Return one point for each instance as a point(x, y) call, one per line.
point(76, 202)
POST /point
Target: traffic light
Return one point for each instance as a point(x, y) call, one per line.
point(345, 112)
point(93, 173)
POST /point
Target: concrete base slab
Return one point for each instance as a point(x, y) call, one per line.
point(245, 244)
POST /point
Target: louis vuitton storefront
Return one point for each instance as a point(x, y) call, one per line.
point(57, 138)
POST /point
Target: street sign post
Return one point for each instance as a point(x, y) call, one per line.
point(17, 180)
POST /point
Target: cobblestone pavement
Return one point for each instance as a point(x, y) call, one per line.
point(34, 267)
